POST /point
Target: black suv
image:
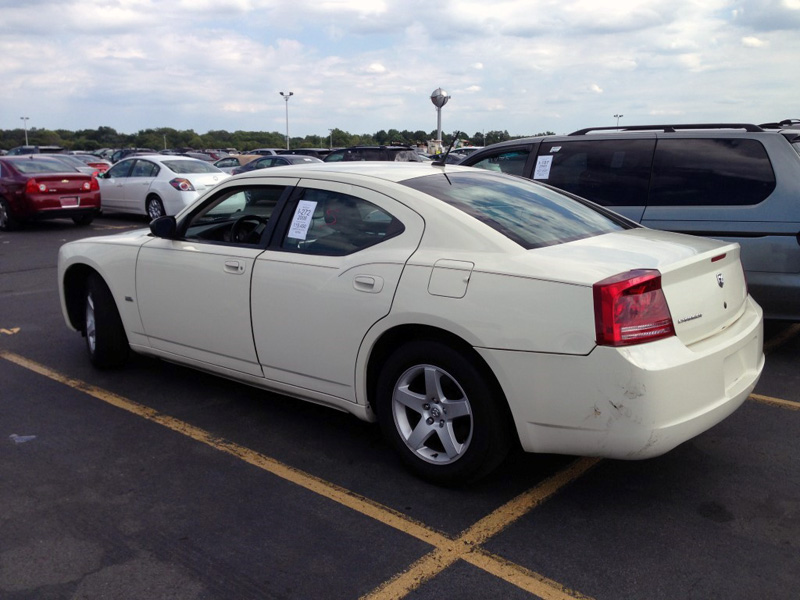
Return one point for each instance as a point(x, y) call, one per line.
point(737, 182)
point(385, 153)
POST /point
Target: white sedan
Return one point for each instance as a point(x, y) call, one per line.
point(156, 184)
point(463, 310)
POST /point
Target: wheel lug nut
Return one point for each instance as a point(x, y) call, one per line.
point(441, 423)
point(426, 406)
point(429, 420)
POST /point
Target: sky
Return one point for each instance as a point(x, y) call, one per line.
point(522, 66)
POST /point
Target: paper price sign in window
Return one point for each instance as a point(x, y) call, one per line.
point(543, 164)
point(302, 220)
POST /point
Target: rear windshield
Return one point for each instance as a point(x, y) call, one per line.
point(42, 165)
point(190, 166)
point(529, 214)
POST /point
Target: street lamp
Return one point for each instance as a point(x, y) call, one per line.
point(286, 97)
point(331, 132)
point(25, 124)
point(618, 117)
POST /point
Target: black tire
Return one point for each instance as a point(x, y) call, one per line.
point(445, 417)
point(83, 220)
point(154, 207)
point(105, 336)
point(7, 221)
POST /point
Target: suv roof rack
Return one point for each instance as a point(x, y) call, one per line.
point(672, 128)
point(781, 124)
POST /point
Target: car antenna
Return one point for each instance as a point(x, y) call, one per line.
point(442, 161)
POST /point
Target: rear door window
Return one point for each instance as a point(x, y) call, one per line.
point(506, 161)
point(711, 172)
point(608, 172)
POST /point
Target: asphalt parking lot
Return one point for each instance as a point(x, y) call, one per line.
point(156, 481)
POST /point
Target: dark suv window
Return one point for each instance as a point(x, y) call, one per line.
point(506, 161)
point(710, 172)
point(609, 172)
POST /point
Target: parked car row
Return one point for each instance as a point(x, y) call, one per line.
point(735, 182)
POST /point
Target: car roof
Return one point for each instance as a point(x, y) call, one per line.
point(160, 158)
point(300, 158)
point(387, 170)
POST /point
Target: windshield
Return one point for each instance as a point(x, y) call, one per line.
point(190, 166)
point(530, 214)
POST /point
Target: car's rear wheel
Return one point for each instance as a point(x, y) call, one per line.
point(442, 413)
point(7, 221)
point(83, 220)
point(105, 335)
point(155, 207)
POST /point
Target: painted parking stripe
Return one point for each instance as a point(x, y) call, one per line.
point(447, 550)
point(467, 546)
point(775, 401)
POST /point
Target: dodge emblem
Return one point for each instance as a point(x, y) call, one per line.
point(720, 280)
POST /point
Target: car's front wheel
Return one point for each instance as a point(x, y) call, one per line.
point(442, 413)
point(105, 335)
point(155, 207)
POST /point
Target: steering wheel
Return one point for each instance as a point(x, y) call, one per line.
point(242, 234)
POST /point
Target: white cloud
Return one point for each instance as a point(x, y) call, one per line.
point(361, 66)
point(752, 42)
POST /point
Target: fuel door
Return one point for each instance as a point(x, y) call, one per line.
point(450, 278)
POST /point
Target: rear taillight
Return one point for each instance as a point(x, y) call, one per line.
point(184, 185)
point(33, 187)
point(94, 185)
point(630, 308)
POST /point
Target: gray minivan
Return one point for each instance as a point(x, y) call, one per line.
point(736, 182)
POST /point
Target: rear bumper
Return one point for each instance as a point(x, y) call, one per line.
point(70, 204)
point(634, 402)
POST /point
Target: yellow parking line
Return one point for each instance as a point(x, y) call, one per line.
point(467, 545)
point(775, 401)
point(447, 550)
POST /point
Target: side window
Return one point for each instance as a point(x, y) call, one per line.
point(263, 163)
point(703, 172)
point(238, 215)
point(335, 156)
point(334, 224)
point(510, 161)
point(144, 168)
point(120, 169)
point(608, 172)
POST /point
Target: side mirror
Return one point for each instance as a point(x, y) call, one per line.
point(164, 227)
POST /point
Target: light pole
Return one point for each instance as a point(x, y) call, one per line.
point(331, 144)
point(618, 117)
point(286, 97)
point(25, 124)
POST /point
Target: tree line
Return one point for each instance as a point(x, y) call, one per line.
point(166, 137)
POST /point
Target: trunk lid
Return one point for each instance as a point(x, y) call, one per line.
point(702, 279)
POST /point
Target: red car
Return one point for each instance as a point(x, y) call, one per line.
point(44, 189)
